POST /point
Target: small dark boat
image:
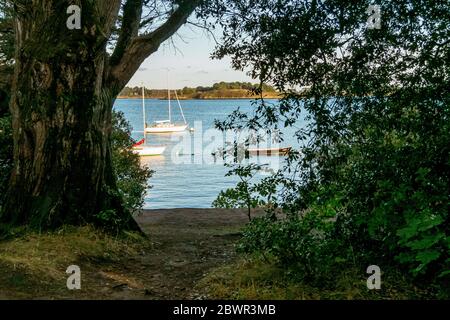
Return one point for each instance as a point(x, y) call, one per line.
point(269, 151)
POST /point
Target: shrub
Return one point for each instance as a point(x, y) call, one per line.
point(132, 178)
point(302, 242)
point(376, 135)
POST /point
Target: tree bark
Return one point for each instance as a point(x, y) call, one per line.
point(63, 89)
point(61, 116)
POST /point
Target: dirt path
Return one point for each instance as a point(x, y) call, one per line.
point(187, 244)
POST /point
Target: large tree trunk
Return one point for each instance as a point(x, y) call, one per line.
point(61, 109)
point(63, 89)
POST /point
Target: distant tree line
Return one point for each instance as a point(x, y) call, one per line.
point(221, 87)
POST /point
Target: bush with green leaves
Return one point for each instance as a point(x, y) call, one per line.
point(244, 195)
point(132, 178)
point(377, 136)
point(303, 242)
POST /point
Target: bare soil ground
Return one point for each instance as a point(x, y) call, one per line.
point(185, 245)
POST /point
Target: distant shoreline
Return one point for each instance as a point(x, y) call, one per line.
point(203, 98)
point(218, 91)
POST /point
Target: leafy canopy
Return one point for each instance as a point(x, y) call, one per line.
point(374, 156)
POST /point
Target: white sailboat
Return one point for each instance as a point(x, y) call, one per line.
point(147, 151)
point(141, 148)
point(167, 126)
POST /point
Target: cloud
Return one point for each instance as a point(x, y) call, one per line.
point(202, 72)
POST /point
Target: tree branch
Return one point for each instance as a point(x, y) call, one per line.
point(141, 47)
point(110, 10)
point(132, 12)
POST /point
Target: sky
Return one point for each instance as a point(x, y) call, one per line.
point(190, 64)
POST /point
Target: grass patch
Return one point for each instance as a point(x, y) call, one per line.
point(256, 279)
point(34, 265)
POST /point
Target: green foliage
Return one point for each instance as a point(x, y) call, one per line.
point(303, 241)
point(375, 149)
point(132, 178)
point(6, 34)
point(238, 197)
point(250, 192)
point(244, 195)
point(111, 219)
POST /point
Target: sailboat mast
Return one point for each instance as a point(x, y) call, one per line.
point(179, 105)
point(168, 94)
point(143, 111)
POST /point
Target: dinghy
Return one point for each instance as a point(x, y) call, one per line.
point(269, 151)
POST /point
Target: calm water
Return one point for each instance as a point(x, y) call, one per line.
point(186, 175)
